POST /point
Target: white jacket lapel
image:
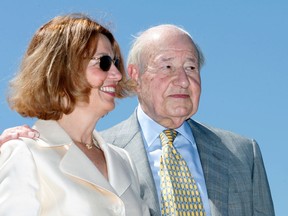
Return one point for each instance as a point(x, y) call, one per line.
point(119, 176)
point(76, 164)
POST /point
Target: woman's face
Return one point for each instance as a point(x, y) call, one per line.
point(103, 82)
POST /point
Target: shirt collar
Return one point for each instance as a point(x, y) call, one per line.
point(152, 129)
point(149, 127)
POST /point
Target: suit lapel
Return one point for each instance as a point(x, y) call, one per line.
point(119, 176)
point(215, 162)
point(76, 164)
point(131, 141)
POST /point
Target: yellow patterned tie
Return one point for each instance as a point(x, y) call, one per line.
point(179, 192)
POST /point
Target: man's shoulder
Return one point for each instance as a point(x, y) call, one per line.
point(207, 128)
point(225, 142)
point(121, 131)
point(224, 136)
point(120, 127)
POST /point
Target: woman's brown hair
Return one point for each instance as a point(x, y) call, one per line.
point(51, 78)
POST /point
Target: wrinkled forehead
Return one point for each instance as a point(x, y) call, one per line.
point(174, 51)
point(174, 54)
point(167, 45)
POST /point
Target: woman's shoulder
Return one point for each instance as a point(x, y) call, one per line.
point(16, 158)
point(17, 146)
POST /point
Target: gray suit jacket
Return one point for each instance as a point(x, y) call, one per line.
point(234, 172)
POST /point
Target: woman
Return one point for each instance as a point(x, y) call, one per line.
point(69, 77)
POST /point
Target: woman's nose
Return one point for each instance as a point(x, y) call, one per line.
point(114, 73)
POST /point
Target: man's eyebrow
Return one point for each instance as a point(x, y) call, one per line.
point(163, 58)
point(193, 59)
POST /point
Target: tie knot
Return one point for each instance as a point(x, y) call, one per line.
point(168, 136)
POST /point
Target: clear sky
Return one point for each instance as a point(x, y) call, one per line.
point(244, 80)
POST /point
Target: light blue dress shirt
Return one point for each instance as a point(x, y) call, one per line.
point(185, 145)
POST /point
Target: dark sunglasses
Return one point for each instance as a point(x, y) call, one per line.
point(106, 61)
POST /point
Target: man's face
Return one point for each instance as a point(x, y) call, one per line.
point(169, 89)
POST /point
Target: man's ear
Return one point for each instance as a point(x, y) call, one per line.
point(133, 73)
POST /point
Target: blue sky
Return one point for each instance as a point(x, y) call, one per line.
point(244, 80)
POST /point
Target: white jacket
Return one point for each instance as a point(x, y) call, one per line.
point(52, 176)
